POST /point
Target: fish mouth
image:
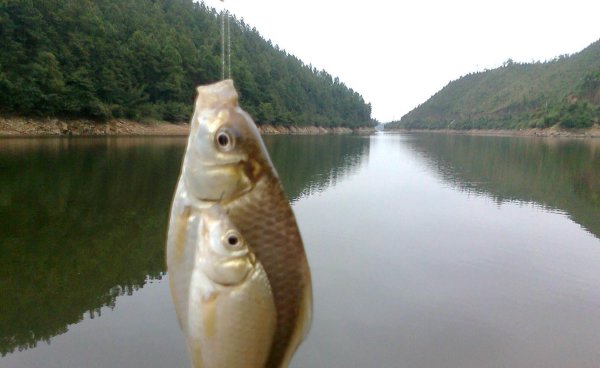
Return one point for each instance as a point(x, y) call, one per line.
point(220, 182)
point(198, 161)
point(231, 272)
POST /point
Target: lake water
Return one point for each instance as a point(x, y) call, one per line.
point(426, 250)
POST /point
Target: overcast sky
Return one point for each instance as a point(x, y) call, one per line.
point(397, 54)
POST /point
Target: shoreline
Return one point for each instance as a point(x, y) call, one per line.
point(52, 127)
point(593, 132)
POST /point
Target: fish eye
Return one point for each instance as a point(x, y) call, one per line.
point(233, 239)
point(224, 140)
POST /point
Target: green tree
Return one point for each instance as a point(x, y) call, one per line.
point(142, 59)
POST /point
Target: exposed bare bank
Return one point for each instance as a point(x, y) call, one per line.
point(593, 132)
point(16, 126)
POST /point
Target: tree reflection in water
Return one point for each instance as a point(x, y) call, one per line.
point(83, 221)
point(558, 174)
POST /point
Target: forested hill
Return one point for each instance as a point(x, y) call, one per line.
point(563, 92)
point(142, 59)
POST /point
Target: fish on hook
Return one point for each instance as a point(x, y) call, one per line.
point(238, 273)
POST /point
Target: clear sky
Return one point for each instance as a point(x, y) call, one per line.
point(397, 54)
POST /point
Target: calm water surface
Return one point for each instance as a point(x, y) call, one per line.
point(426, 250)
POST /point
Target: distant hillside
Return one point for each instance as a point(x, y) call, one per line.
point(142, 59)
point(564, 92)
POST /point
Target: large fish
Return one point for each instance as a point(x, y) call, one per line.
point(246, 304)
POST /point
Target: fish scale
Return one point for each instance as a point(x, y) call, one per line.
point(267, 222)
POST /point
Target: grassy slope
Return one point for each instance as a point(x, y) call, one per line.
point(512, 96)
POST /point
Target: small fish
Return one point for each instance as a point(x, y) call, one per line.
point(238, 273)
point(229, 307)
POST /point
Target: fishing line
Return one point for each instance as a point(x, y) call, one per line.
point(225, 50)
point(222, 44)
point(228, 47)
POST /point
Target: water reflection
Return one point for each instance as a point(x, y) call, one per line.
point(309, 164)
point(83, 221)
point(556, 174)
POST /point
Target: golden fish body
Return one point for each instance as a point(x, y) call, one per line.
point(249, 308)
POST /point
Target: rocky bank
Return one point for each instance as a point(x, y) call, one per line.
point(17, 126)
point(554, 132)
